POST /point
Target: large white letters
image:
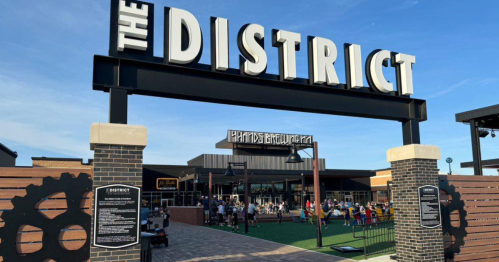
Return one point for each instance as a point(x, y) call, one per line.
point(255, 61)
point(405, 62)
point(376, 71)
point(354, 64)
point(132, 22)
point(177, 19)
point(324, 55)
point(220, 42)
point(287, 42)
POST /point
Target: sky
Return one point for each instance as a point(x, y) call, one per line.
point(47, 103)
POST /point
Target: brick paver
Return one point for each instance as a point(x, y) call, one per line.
point(194, 243)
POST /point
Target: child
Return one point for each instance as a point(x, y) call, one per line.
point(221, 211)
point(279, 216)
point(235, 223)
point(321, 212)
point(374, 214)
point(161, 238)
point(346, 214)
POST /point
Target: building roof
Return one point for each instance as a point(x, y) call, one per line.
point(488, 116)
point(255, 175)
point(44, 158)
point(8, 150)
point(490, 163)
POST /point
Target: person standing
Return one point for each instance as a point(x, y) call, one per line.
point(308, 205)
point(368, 213)
point(321, 215)
point(279, 215)
point(229, 211)
point(206, 208)
point(356, 214)
point(221, 212)
point(346, 215)
point(251, 214)
point(235, 222)
point(166, 220)
point(144, 215)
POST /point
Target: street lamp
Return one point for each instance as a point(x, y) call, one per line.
point(294, 157)
point(230, 173)
point(449, 160)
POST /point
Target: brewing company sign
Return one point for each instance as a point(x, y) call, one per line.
point(132, 36)
point(116, 214)
point(261, 138)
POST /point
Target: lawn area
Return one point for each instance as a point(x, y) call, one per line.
point(304, 236)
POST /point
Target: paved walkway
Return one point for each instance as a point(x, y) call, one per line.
point(193, 243)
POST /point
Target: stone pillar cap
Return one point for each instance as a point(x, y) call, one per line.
point(413, 151)
point(117, 134)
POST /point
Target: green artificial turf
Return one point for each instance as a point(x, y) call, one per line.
point(304, 236)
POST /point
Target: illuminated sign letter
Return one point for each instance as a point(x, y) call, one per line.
point(219, 43)
point(377, 59)
point(288, 43)
point(353, 66)
point(253, 60)
point(132, 23)
point(404, 64)
point(177, 51)
point(323, 55)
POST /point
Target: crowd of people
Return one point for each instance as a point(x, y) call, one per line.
point(145, 221)
point(361, 215)
point(229, 210)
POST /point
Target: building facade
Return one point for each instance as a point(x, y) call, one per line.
point(270, 178)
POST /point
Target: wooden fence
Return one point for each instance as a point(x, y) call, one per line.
point(474, 217)
point(13, 182)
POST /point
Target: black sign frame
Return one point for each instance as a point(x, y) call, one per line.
point(96, 215)
point(437, 190)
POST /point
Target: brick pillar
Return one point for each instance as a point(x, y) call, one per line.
point(117, 160)
point(414, 166)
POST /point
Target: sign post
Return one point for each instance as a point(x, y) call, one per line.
point(116, 217)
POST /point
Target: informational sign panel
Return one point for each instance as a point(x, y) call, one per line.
point(116, 213)
point(429, 206)
point(167, 184)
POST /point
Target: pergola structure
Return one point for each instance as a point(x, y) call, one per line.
point(480, 120)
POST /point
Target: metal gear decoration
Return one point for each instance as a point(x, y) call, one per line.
point(24, 213)
point(456, 204)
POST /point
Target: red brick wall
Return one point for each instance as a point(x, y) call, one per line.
point(188, 215)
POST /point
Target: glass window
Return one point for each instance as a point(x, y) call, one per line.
point(278, 188)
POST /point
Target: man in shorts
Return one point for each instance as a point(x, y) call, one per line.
point(206, 208)
point(251, 214)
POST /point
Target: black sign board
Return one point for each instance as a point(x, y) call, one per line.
point(116, 213)
point(429, 206)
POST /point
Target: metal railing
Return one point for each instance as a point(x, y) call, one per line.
point(378, 235)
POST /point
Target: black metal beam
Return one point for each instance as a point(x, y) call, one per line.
point(410, 132)
point(118, 106)
point(266, 91)
point(475, 147)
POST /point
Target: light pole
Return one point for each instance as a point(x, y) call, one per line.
point(210, 187)
point(230, 172)
point(302, 191)
point(449, 160)
point(294, 157)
